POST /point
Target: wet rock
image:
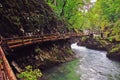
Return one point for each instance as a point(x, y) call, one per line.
point(44, 55)
point(91, 43)
point(114, 56)
point(114, 51)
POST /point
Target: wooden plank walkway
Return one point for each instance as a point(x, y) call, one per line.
point(6, 72)
point(24, 40)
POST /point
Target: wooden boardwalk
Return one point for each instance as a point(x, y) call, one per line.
point(24, 40)
point(6, 72)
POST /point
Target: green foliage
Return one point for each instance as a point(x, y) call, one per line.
point(102, 42)
point(115, 31)
point(30, 74)
point(68, 10)
point(105, 16)
point(115, 48)
point(1, 60)
point(84, 38)
point(69, 51)
point(38, 50)
point(110, 38)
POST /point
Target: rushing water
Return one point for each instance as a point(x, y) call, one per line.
point(90, 65)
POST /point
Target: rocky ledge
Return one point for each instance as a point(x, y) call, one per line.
point(114, 51)
point(112, 48)
point(42, 56)
point(91, 43)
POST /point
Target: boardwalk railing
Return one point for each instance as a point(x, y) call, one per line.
point(6, 72)
point(25, 40)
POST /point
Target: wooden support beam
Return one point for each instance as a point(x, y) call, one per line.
point(7, 69)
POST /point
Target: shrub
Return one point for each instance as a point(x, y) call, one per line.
point(30, 74)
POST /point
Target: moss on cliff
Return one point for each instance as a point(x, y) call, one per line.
point(115, 48)
point(41, 56)
point(18, 17)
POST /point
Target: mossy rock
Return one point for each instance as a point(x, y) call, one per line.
point(116, 48)
point(114, 53)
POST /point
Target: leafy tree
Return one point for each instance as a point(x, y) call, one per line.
point(69, 11)
point(111, 12)
point(105, 16)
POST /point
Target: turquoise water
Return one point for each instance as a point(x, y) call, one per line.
point(65, 71)
point(89, 65)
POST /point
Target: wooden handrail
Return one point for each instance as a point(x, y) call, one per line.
point(26, 40)
point(7, 69)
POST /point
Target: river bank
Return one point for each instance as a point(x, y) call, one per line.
point(91, 43)
point(90, 65)
point(112, 48)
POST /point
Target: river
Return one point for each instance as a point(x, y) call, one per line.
point(89, 65)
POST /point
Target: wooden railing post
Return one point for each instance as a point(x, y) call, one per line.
point(7, 69)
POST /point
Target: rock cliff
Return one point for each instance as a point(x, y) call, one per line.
point(20, 17)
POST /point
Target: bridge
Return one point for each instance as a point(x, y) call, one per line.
point(6, 72)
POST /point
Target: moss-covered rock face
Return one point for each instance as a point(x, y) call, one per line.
point(115, 48)
point(41, 56)
point(27, 16)
point(91, 43)
point(114, 52)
